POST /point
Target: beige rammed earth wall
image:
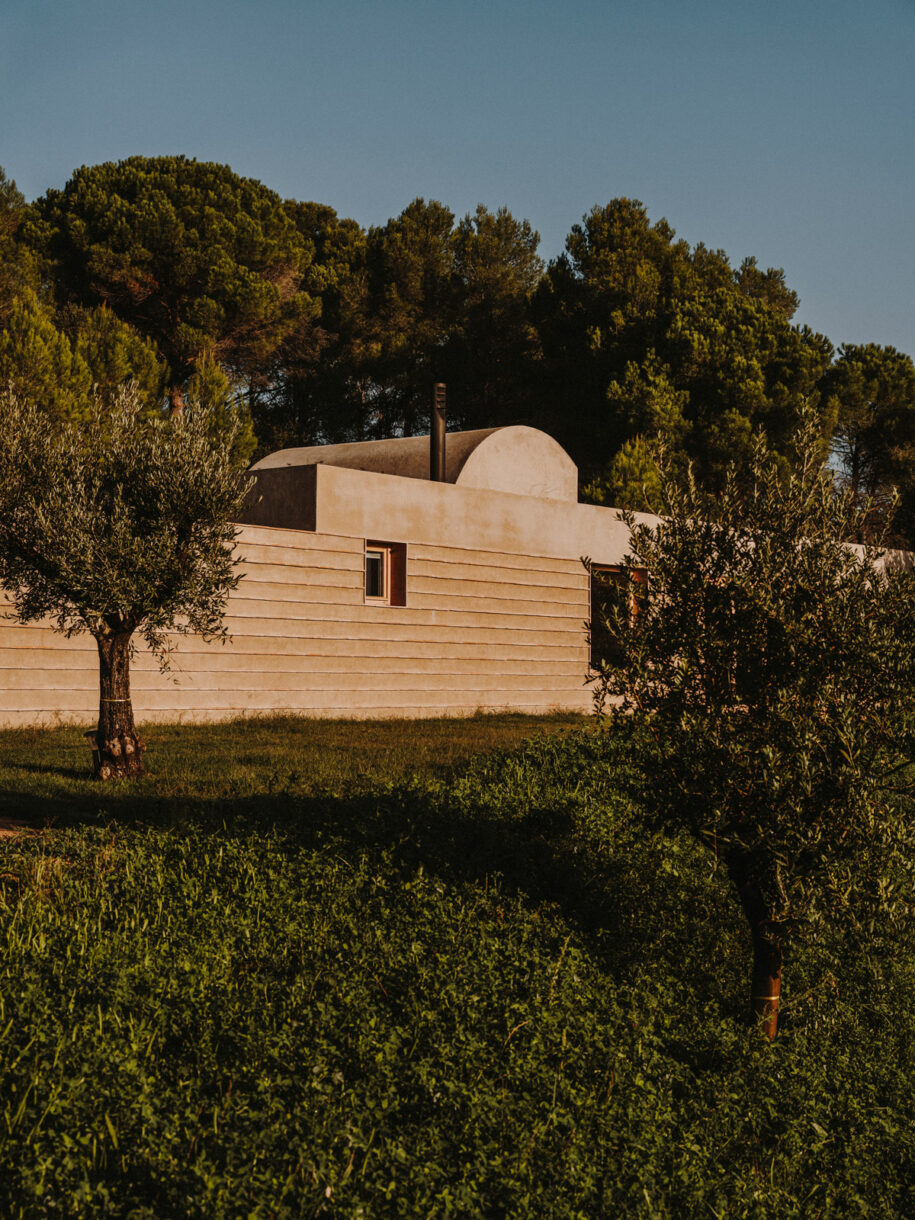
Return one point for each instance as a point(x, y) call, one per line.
point(497, 604)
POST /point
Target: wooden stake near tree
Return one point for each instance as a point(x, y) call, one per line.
point(772, 669)
point(119, 526)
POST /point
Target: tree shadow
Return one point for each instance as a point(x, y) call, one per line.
point(57, 771)
point(538, 859)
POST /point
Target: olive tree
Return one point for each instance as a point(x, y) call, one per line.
point(772, 667)
point(119, 525)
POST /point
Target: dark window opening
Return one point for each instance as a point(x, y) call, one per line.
point(613, 594)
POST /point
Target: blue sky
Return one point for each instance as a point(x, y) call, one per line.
point(784, 130)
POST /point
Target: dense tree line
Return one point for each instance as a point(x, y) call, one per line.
point(205, 287)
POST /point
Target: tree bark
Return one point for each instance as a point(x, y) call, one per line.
point(176, 398)
point(117, 750)
point(766, 979)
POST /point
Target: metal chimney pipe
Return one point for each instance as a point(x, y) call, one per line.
point(437, 435)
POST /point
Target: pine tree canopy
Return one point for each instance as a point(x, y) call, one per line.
point(200, 260)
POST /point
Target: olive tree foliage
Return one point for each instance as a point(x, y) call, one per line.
point(118, 524)
point(772, 668)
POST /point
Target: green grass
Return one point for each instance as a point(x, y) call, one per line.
point(46, 773)
point(424, 969)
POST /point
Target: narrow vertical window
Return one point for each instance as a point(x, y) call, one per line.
point(611, 591)
point(385, 573)
point(377, 574)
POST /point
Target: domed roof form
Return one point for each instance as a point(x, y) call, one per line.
point(517, 459)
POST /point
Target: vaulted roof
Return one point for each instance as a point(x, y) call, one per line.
point(517, 459)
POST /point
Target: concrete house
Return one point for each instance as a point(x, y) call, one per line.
point(371, 589)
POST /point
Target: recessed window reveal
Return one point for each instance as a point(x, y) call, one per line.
point(385, 573)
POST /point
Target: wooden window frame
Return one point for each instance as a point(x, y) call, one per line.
point(393, 573)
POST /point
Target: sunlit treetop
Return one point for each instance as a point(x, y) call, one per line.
point(199, 259)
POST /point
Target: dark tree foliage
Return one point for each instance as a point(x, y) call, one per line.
point(772, 667)
point(418, 300)
point(317, 388)
point(642, 333)
point(308, 329)
point(451, 303)
point(69, 368)
point(200, 260)
point(871, 391)
point(18, 272)
point(412, 306)
point(491, 359)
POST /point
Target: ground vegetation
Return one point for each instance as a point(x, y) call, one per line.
point(344, 970)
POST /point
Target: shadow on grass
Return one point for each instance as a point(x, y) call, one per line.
point(622, 911)
point(56, 771)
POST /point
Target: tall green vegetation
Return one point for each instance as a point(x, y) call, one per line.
point(310, 329)
point(203, 262)
point(335, 970)
point(18, 272)
point(772, 669)
point(871, 391)
point(418, 300)
point(69, 373)
point(643, 334)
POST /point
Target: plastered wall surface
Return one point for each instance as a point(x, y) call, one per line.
point(484, 627)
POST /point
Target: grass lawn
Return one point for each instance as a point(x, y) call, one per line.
point(45, 774)
point(437, 968)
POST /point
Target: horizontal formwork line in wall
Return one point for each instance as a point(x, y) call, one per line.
point(375, 672)
point(288, 543)
point(496, 559)
point(53, 650)
point(332, 688)
point(525, 631)
point(314, 594)
point(427, 608)
point(441, 593)
point(278, 540)
point(339, 585)
point(438, 617)
point(304, 573)
point(306, 666)
point(53, 668)
point(146, 685)
point(56, 652)
point(32, 636)
point(358, 701)
point(361, 621)
point(329, 681)
point(267, 700)
point(317, 593)
point(472, 573)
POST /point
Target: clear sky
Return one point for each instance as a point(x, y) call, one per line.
point(780, 128)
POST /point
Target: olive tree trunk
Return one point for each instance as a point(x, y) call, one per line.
point(766, 978)
point(117, 751)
